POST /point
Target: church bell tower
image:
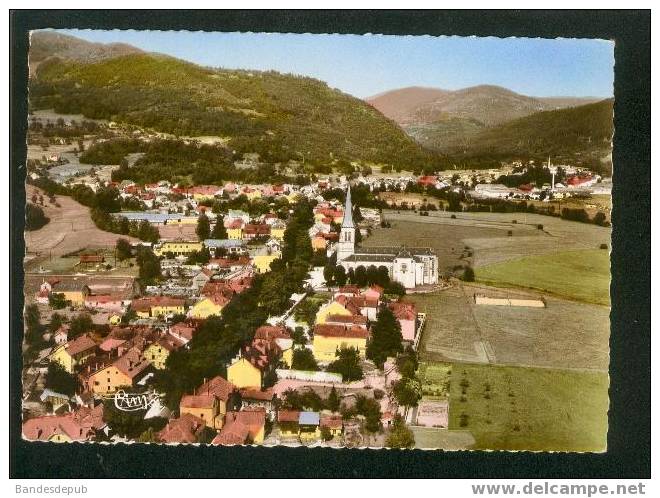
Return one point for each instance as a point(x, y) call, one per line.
point(346, 245)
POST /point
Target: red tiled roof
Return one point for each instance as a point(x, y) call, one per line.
point(80, 345)
point(288, 415)
point(132, 363)
point(146, 303)
point(78, 426)
point(331, 422)
point(218, 387)
point(404, 311)
point(184, 429)
point(197, 401)
point(271, 332)
point(325, 330)
point(345, 319)
point(266, 395)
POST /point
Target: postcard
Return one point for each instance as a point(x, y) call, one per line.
point(330, 240)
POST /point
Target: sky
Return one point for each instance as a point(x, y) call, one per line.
point(367, 65)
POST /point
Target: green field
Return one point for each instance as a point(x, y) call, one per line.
point(435, 378)
point(582, 275)
point(518, 408)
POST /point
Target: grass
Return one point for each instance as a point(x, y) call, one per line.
point(582, 275)
point(435, 378)
point(517, 408)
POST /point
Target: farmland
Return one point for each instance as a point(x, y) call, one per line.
point(514, 408)
point(487, 235)
point(565, 334)
point(582, 275)
point(70, 229)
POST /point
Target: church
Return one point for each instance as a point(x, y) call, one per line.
point(410, 266)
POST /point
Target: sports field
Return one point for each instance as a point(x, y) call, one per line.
point(582, 275)
point(537, 409)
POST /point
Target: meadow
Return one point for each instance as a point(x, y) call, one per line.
point(582, 275)
point(517, 408)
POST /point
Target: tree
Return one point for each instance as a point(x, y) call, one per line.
point(34, 217)
point(407, 363)
point(340, 276)
point(303, 359)
point(400, 436)
point(57, 301)
point(600, 219)
point(33, 327)
point(123, 248)
point(329, 274)
point(149, 265)
point(408, 391)
point(219, 230)
point(59, 380)
point(326, 434)
point(370, 409)
point(203, 227)
point(80, 325)
point(385, 337)
point(360, 276)
point(56, 322)
point(334, 401)
point(395, 288)
point(468, 274)
point(347, 364)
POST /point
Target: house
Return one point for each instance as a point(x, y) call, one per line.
point(219, 388)
point(332, 308)
point(406, 314)
point(287, 420)
point(282, 338)
point(374, 292)
point(244, 427)
point(309, 425)
point(183, 331)
point(277, 230)
point(347, 320)
point(185, 429)
point(209, 306)
point(329, 338)
point(262, 262)
point(105, 378)
point(319, 243)
point(200, 279)
point(61, 334)
point(88, 260)
point(254, 230)
point(242, 373)
point(235, 230)
point(255, 398)
point(107, 303)
point(55, 399)
point(73, 353)
point(333, 423)
point(177, 247)
point(157, 306)
point(80, 425)
point(348, 290)
point(157, 353)
point(236, 214)
point(203, 406)
point(229, 245)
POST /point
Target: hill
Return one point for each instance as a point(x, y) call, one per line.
point(577, 135)
point(489, 104)
point(46, 44)
point(400, 105)
point(280, 116)
point(441, 119)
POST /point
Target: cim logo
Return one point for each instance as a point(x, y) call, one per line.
point(132, 402)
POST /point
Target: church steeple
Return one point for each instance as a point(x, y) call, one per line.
point(348, 211)
point(346, 244)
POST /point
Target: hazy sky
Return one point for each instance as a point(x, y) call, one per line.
point(367, 65)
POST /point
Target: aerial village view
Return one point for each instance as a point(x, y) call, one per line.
point(226, 254)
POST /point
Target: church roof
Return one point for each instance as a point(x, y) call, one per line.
point(394, 250)
point(374, 258)
point(348, 211)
